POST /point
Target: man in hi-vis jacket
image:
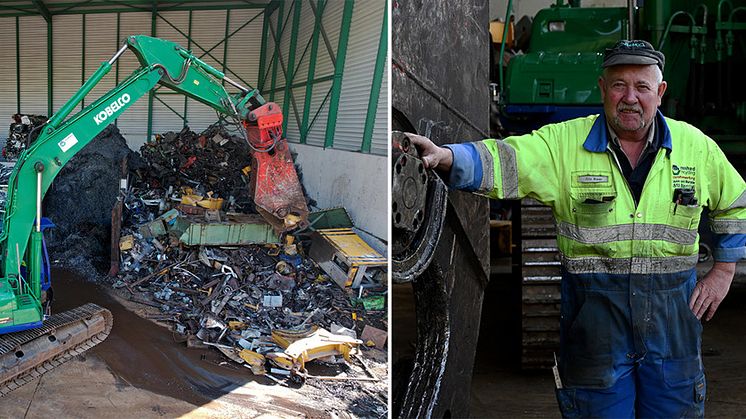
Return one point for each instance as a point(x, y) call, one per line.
point(627, 188)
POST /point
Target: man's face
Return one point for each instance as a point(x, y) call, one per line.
point(631, 95)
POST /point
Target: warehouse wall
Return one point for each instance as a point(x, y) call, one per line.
point(81, 42)
point(283, 52)
point(338, 174)
point(355, 181)
point(311, 72)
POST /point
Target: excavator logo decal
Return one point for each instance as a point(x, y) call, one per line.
point(113, 107)
point(68, 142)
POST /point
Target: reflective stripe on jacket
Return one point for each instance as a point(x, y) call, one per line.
point(569, 167)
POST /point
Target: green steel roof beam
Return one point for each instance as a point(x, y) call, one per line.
point(262, 51)
point(328, 44)
point(192, 41)
point(43, 10)
point(375, 88)
point(189, 47)
point(318, 111)
point(169, 107)
point(277, 37)
point(292, 98)
point(344, 34)
point(50, 74)
point(224, 41)
point(121, 7)
point(151, 93)
point(306, 83)
point(18, 66)
point(290, 67)
point(162, 4)
point(82, 61)
point(311, 69)
point(227, 36)
point(116, 71)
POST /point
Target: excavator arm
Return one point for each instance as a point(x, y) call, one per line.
point(277, 192)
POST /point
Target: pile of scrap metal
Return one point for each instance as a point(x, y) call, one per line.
point(222, 277)
point(23, 130)
point(213, 162)
point(253, 303)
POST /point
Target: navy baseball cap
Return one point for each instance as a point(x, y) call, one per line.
point(633, 52)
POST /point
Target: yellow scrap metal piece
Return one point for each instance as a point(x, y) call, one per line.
point(353, 251)
point(211, 203)
point(291, 220)
point(246, 170)
point(496, 32)
point(318, 344)
point(236, 325)
point(190, 199)
point(285, 337)
point(127, 242)
point(283, 360)
point(352, 245)
point(272, 249)
point(254, 360)
point(254, 307)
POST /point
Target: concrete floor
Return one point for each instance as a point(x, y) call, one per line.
point(501, 389)
point(140, 372)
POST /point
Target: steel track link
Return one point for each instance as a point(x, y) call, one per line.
point(13, 342)
point(541, 286)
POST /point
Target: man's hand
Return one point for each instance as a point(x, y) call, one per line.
point(710, 291)
point(434, 157)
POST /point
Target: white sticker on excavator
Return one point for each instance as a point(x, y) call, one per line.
point(67, 142)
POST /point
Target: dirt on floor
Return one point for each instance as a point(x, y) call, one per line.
point(140, 372)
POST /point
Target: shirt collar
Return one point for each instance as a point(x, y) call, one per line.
point(598, 138)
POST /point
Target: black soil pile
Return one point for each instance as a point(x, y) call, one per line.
point(80, 201)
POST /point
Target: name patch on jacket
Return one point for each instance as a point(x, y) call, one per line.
point(593, 179)
point(684, 177)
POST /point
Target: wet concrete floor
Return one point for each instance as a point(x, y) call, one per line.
point(139, 371)
point(145, 355)
point(501, 389)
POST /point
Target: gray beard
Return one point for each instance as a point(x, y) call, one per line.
point(618, 125)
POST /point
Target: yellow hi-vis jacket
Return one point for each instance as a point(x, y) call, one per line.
point(600, 228)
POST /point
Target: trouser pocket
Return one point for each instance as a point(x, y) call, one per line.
point(700, 389)
point(567, 403)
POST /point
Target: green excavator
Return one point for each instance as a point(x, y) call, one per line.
point(32, 340)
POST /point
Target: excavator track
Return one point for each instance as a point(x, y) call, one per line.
point(26, 355)
point(541, 277)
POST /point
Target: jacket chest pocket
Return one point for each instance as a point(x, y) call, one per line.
point(593, 207)
point(684, 216)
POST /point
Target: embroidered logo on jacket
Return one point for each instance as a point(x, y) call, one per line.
point(684, 177)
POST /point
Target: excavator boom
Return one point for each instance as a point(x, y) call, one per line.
point(28, 340)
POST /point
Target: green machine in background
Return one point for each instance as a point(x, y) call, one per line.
point(555, 78)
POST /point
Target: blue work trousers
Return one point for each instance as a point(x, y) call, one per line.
point(630, 347)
